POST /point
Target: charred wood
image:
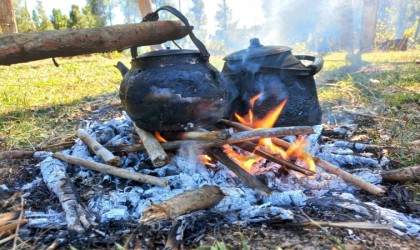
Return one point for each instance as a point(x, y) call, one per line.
point(186, 202)
point(107, 169)
point(21, 154)
point(19, 48)
point(97, 148)
point(403, 174)
point(157, 154)
point(363, 147)
point(246, 177)
point(54, 175)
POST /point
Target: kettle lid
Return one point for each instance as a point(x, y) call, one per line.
point(256, 49)
point(169, 52)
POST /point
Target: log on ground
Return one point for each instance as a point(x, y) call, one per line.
point(189, 201)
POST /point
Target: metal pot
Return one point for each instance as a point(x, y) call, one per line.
point(276, 72)
point(172, 90)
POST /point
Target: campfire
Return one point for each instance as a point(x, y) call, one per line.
point(242, 172)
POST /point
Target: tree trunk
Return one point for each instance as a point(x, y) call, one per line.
point(369, 16)
point(7, 17)
point(18, 48)
point(346, 25)
point(145, 7)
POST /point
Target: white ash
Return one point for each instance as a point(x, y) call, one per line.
point(349, 161)
point(403, 224)
point(332, 149)
point(51, 219)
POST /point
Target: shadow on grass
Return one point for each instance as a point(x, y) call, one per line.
point(25, 128)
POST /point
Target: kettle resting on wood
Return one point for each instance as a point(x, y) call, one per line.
point(174, 90)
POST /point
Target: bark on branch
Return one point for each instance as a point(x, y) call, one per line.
point(19, 48)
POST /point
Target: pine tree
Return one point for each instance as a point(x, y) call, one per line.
point(59, 20)
point(43, 22)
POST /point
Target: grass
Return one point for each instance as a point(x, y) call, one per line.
point(39, 100)
point(389, 84)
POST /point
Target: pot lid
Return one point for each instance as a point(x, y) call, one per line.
point(256, 49)
point(169, 52)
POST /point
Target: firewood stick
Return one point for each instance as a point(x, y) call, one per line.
point(107, 169)
point(22, 154)
point(246, 177)
point(234, 138)
point(9, 222)
point(320, 163)
point(363, 147)
point(252, 147)
point(199, 135)
point(97, 148)
point(186, 202)
point(402, 174)
point(157, 155)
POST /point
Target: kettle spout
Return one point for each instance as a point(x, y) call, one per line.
point(122, 68)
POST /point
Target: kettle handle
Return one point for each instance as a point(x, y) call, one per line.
point(154, 17)
point(316, 64)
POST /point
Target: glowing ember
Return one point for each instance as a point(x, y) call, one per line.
point(245, 161)
point(205, 159)
point(297, 150)
point(159, 137)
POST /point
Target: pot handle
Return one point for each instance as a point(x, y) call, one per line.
point(154, 17)
point(316, 64)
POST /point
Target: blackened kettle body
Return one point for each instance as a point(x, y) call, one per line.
point(277, 74)
point(174, 90)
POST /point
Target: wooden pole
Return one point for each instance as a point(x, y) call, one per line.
point(145, 7)
point(19, 48)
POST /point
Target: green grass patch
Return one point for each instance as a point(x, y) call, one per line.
point(38, 99)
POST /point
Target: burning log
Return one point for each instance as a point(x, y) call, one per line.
point(157, 155)
point(97, 148)
point(106, 169)
point(403, 174)
point(320, 163)
point(19, 48)
point(252, 147)
point(246, 177)
point(186, 202)
point(54, 175)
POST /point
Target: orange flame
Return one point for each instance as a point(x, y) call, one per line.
point(245, 161)
point(297, 150)
point(159, 137)
point(205, 159)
